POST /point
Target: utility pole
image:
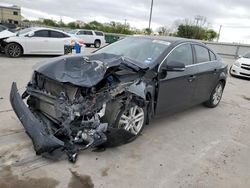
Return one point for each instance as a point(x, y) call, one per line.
point(150, 17)
point(198, 18)
point(219, 33)
point(125, 24)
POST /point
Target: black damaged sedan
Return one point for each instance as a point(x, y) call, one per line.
point(105, 99)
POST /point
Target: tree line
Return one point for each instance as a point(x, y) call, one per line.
point(193, 29)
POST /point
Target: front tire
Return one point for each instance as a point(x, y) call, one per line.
point(131, 119)
point(216, 96)
point(13, 50)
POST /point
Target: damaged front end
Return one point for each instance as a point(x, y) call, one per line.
point(67, 100)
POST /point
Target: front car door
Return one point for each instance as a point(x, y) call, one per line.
point(205, 61)
point(38, 43)
point(177, 88)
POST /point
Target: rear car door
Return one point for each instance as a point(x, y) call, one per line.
point(38, 44)
point(177, 88)
point(57, 41)
point(208, 73)
point(80, 34)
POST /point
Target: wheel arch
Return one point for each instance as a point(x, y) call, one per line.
point(98, 40)
point(14, 42)
point(223, 78)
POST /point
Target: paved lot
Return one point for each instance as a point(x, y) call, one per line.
point(199, 147)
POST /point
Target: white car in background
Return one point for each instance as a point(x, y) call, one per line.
point(36, 40)
point(89, 37)
point(241, 67)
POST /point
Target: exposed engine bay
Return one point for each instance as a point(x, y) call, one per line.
point(67, 101)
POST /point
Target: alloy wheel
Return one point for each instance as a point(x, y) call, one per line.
point(14, 50)
point(132, 120)
point(217, 94)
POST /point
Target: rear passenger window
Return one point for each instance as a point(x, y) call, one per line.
point(212, 56)
point(182, 54)
point(202, 54)
point(55, 34)
point(98, 33)
point(42, 33)
point(88, 33)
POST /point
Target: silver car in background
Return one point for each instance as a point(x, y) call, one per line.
point(241, 67)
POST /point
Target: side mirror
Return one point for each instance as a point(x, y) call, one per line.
point(32, 34)
point(175, 66)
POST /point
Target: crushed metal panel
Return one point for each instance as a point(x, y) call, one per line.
point(85, 71)
point(138, 89)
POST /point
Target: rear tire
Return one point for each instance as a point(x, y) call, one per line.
point(13, 50)
point(216, 96)
point(97, 44)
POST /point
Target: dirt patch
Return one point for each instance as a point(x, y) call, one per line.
point(246, 98)
point(80, 181)
point(104, 172)
point(8, 180)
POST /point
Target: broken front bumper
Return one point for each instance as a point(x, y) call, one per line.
point(42, 140)
point(46, 142)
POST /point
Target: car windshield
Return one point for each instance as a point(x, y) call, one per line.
point(24, 31)
point(72, 32)
point(140, 49)
point(247, 55)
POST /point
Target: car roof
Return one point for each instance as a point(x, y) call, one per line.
point(41, 28)
point(168, 39)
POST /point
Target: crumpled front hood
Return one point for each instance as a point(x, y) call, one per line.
point(6, 34)
point(85, 71)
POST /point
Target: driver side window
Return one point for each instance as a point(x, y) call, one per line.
point(182, 54)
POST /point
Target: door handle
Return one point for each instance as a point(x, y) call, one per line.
point(191, 78)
